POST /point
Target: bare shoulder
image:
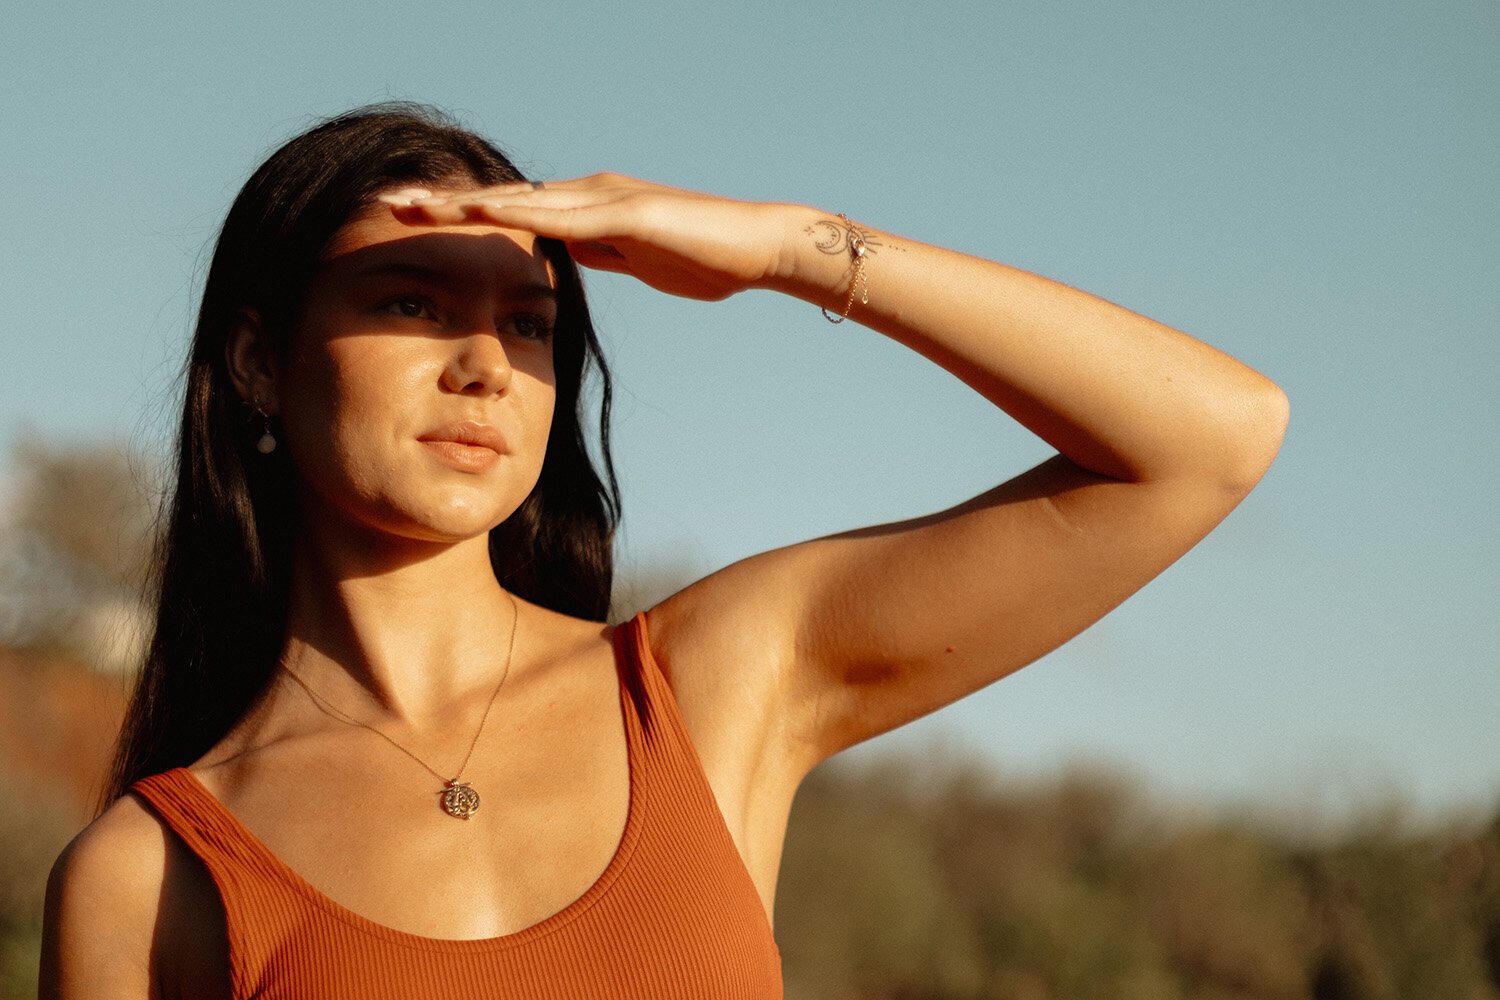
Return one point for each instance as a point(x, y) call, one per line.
point(130, 913)
point(102, 902)
point(733, 625)
point(727, 645)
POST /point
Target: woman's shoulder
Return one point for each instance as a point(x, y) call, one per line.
point(103, 899)
point(730, 628)
point(127, 905)
point(118, 859)
point(724, 646)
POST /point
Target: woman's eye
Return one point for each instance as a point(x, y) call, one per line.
point(410, 307)
point(530, 326)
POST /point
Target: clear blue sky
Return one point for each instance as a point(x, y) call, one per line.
point(1314, 188)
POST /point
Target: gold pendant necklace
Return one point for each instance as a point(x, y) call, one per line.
point(457, 798)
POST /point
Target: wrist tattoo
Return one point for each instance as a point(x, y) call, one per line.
point(844, 237)
point(840, 236)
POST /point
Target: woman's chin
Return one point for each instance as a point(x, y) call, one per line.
point(400, 526)
point(453, 527)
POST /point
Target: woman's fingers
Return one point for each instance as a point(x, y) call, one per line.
point(677, 241)
point(604, 208)
point(446, 205)
point(599, 256)
point(556, 212)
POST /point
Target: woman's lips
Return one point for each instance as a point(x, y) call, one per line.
point(466, 445)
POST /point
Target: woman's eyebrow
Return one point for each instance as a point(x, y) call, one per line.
point(534, 290)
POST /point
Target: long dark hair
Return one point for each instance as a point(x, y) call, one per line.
point(224, 562)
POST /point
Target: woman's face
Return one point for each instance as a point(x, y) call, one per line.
point(417, 389)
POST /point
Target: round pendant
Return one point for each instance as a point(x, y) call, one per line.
point(460, 801)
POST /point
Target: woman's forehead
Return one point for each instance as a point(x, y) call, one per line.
point(375, 240)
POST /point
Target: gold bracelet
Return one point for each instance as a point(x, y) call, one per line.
point(857, 283)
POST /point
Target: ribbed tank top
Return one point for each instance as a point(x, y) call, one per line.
point(675, 913)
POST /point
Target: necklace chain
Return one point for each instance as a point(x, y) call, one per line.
point(459, 799)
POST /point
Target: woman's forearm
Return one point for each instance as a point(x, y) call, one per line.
point(1115, 392)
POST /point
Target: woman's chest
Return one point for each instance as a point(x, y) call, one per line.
point(361, 819)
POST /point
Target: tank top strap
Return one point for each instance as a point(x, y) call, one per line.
point(196, 817)
point(263, 899)
point(688, 853)
point(650, 700)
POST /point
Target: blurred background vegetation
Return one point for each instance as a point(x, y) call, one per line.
point(920, 877)
point(907, 882)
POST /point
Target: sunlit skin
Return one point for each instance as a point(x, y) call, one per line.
point(420, 324)
point(417, 393)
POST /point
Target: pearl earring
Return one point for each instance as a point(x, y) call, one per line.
point(267, 442)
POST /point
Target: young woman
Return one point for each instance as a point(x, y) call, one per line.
point(387, 567)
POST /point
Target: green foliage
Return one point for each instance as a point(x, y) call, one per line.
point(35, 824)
point(898, 884)
point(1395, 917)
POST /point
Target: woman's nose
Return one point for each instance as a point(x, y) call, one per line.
point(479, 365)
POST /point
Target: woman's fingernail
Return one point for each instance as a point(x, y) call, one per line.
point(403, 197)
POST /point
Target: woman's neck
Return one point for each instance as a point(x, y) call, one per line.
point(420, 629)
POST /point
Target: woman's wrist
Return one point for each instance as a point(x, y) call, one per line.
point(825, 259)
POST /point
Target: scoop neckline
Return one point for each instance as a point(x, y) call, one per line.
point(629, 837)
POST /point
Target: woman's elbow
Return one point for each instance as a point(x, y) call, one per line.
point(1258, 429)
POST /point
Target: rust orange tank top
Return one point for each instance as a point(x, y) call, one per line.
point(675, 913)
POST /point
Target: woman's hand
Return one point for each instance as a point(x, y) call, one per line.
point(694, 245)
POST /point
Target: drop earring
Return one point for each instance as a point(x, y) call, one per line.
point(267, 442)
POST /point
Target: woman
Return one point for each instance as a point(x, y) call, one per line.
point(388, 562)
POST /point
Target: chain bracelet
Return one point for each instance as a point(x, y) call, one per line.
point(857, 284)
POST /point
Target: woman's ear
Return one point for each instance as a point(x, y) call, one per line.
point(252, 362)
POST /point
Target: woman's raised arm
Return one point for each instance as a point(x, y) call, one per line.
point(809, 649)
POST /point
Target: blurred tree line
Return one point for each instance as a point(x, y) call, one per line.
point(914, 879)
point(907, 881)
